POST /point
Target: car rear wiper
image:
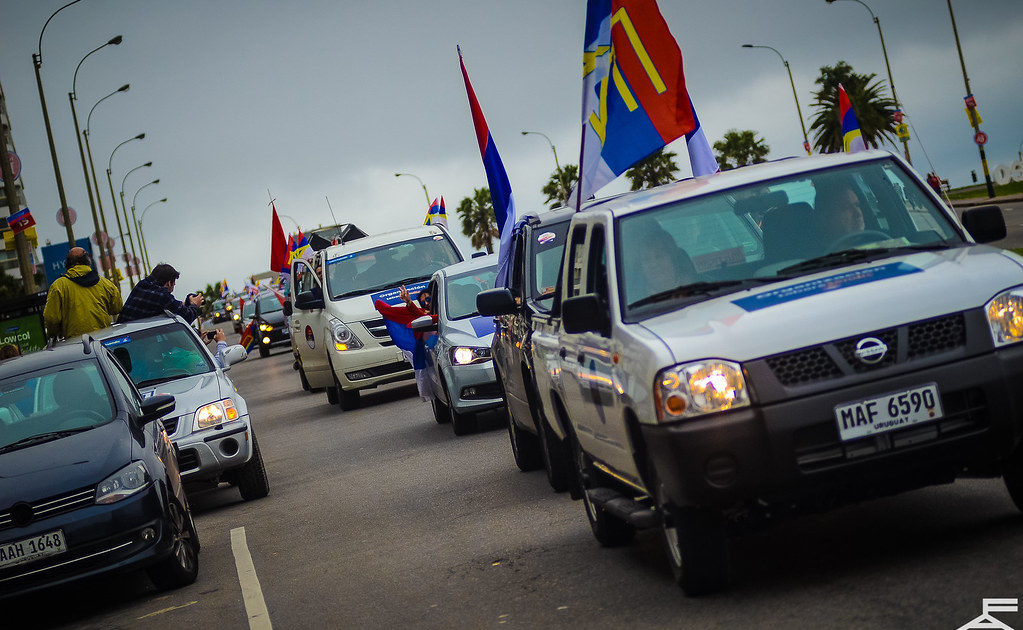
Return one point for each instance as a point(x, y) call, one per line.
point(703, 288)
point(42, 437)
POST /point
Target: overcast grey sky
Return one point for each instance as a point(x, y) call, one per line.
point(315, 98)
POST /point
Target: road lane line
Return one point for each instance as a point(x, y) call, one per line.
point(252, 593)
point(167, 610)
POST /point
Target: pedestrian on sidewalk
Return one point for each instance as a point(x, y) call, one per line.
point(152, 296)
point(80, 301)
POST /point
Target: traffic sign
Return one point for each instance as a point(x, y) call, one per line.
point(902, 130)
point(15, 165)
point(970, 101)
point(71, 214)
point(980, 137)
point(973, 115)
point(897, 115)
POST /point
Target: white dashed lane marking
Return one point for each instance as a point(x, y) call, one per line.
point(252, 593)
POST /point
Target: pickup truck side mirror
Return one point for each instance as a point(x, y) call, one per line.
point(307, 301)
point(585, 313)
point(288, 308)
point(424, 323)
point(984, 223)
point(493, 302)
point(156, 407)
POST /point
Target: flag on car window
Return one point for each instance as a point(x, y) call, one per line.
point(634, 93)
point(497, 179)
point(437, 214)
point(852, 139)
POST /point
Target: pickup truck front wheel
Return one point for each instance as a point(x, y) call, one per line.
point(610, 531)
point(1012, 475)
point(697, 549)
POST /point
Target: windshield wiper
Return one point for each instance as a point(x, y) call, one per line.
point(42, 437)
point(835, 259)
point(703, 288)
point(157, 381)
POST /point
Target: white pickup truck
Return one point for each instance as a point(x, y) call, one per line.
point(783, 337)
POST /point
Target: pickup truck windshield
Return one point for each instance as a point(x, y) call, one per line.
point(269, 304)
point(388, 266)
point(52, 403)
point(461, 290)
point(744, 237)
point(157, 355)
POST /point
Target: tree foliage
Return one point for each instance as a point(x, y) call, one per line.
point(478, 221)
point(559, 185)
point(656, 169)
point(739, 148)
point(870, 103)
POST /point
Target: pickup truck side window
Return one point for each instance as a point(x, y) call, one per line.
point(517, 282)
point(577, 259)
point(596, 273)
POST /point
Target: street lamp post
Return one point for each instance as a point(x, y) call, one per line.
point(884, 51)
point(113, 199)
point(72, 97)
point(142, 236)
point(95, 181)
point(420, 183)
point(125, 209)
point(37, 63)
point(557, 167)
point(802, 125)
point(138, 229)
point(973, 119)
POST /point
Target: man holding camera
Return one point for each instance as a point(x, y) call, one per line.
point(152, 296)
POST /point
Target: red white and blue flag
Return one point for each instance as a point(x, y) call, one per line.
point(437, 214)
point(852, 139)
point(497, 178)
point(634, 93)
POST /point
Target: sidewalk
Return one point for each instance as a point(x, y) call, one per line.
point(981, 201)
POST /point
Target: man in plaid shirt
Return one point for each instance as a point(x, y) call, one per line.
point(152, 295)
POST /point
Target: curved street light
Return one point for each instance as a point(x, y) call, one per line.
point(113, 198)
point(556, 165)
point(37, 63)
point(802, 125)
point(72, 97)
point(130, 239)
point(884, 51)
point(420, 183)
point(95, 180)
point(138, 228)
point(142, 236)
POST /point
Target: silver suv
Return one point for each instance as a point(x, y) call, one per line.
point(210, 427)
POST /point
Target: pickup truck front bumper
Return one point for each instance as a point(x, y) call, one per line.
point(789, 452)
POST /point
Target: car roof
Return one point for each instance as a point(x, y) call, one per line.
point(48, 357)
point(473, 264)
point(548, 217)
point(627, 203)
point(387, 238)
point(135, 326)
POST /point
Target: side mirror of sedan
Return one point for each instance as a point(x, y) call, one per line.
point(984, 223)
point(156, 407)
point(234, 354)
point(493, 302)
point(424, 323)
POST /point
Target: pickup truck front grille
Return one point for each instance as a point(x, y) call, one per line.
point(45, 508)
point(835, 359)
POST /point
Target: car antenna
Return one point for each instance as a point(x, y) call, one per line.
point(338, 225)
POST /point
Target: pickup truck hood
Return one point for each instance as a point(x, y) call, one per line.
point(190, 393)
point(63, 465)
point(837, 303)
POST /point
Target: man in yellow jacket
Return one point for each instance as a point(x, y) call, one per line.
point(80, 301)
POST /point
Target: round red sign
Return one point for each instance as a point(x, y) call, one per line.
point(71, 214)
point(980, 137)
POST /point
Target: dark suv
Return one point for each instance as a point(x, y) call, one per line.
point(271, 327)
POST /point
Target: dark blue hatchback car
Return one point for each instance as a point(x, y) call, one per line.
point(89, 482)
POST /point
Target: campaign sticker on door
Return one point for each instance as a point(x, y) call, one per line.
point(546, 237)
point(309, 337)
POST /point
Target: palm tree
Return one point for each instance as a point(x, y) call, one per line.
point(873, 108)
point(478, 220)
point(742, 148)
point(559, 185)
point(656, 169)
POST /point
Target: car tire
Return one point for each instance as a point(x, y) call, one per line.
point(252, 481)
point(462, 423)
point(557, 459)
point(1012, 475)
point(303, 379)
point(264, 352)
point(526, 447)
point(331, 393)
point(182, 566)
point(609, 530)
point(697, 549)
point(440, 411)
point(347, 399)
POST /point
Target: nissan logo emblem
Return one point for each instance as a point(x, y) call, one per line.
point(21, 514)
point(870, 350)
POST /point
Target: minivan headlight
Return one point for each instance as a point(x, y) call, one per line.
point(343, 337)
point(266, 327)
point(1005, 317)
point(464, 355)
point(215, 414)
point(698, 388)
point(123, 483)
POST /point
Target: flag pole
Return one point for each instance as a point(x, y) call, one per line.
point(579, 180)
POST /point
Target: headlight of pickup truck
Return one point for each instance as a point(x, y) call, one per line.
point(701, 387)
point(464, 355)
point(344, 338)
point(215, 414)
point(123, 483)
point(1005, 317)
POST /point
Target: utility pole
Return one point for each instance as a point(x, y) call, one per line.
point(14, 205)
point(974, 120)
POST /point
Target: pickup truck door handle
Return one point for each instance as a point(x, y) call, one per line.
point(562, 353)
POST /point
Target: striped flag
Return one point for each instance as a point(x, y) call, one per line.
point(500, 188)
point(852, 139)
point(437, 214)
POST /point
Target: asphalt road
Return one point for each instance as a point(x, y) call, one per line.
point(381, 518)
